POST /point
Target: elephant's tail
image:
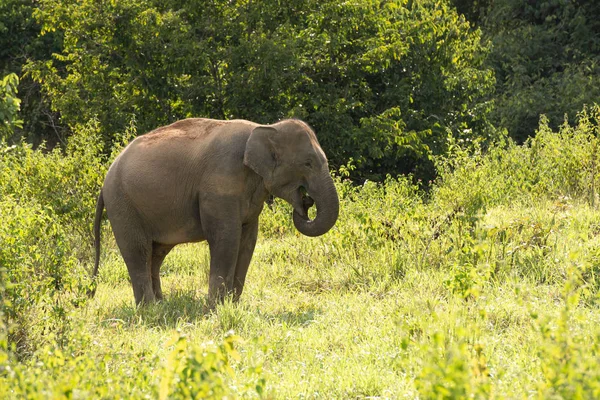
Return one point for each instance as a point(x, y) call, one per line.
point(97, 220)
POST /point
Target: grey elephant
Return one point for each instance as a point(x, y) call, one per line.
point(202, 179)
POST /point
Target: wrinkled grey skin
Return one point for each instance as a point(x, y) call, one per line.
point(201, 179)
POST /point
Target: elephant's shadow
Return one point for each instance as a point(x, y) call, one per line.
point(176, 309)
point(186, 308)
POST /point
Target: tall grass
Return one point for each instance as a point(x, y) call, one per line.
point(486, 286)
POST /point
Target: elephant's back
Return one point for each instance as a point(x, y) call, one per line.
point(191, 129)
point(186, 129)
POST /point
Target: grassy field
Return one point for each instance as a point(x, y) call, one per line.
point(328, 321)
point(487, 286)
point(324, 318)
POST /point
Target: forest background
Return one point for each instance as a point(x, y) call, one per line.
point(463, 138)
point(385, 84)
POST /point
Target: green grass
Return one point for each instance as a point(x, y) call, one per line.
point(321, 321)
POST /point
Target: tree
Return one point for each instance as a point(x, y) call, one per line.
point(383, 83)
point(9, 106)
point(473, 10)
point(388, 82)
point(20, 42)
point(546, 55)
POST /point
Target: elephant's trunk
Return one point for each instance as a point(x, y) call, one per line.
point(328, 207)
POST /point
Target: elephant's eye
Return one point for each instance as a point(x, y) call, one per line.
point(308, 164)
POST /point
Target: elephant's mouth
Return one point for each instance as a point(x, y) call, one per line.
point(322, 194)
point(305, 203)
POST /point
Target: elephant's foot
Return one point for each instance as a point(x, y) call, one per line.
point(144, 294)
point(157, 290)
point(217, 297)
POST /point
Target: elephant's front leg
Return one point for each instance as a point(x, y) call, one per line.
point(247, 244)
point(224, 246)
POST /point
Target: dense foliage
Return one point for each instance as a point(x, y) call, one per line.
point(20, 41)
point(384, 84)
point(546, 56)
point(45, 201)
point(9, 106)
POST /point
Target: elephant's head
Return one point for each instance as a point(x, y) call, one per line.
point(293, 166)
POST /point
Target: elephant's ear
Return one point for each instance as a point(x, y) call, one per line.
point(261, 153)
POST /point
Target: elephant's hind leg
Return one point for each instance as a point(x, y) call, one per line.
point(159, 252)
point(138, 257)
point(135, 244)
point(137, 254)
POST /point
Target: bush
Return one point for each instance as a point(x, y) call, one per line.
point(568, 357)
point(453, 369)
point(66, 182)
point(189, 370)
point(550, 165)
point(41, 273)
point(205, 372)
point(47, 200)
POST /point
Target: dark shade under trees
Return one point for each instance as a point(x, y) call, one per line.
point(546, 58)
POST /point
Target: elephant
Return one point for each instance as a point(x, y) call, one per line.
point(203, 179)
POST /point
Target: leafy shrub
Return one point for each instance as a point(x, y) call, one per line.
point(566, 162)
point(40, 271)
point(63, 372)
point(550, 171)
point(46, 203)
point(4, 303)
point(205, 372)
point(67, 182)
point(189, 371)
point(550, 165)
point(568, 357)
point(453, 369)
